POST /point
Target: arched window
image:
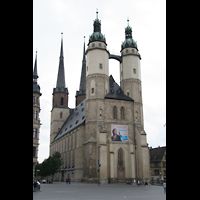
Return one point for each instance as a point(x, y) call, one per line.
point(115, 112)
point(61, 101)
point(61, 114)
point(122, 112)
point(120, 157)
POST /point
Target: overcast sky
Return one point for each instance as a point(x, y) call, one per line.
point(75, 19)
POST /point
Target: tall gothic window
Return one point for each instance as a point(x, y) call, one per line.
point(120, 157)
point(115, 112)
point(61, 101)
point(122, 112)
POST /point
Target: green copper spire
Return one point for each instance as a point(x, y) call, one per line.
point(129, 42)
point(97, 35)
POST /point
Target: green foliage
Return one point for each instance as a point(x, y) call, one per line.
point(50, 165)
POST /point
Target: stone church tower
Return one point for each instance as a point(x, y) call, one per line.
point(97, 84)
point(60, 109)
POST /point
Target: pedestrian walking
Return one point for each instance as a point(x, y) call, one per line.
point(134, 182)
point(164, 186)
point(38, 184)
point(138, 183)
point(69, 179)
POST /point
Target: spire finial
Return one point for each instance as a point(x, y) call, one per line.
point(97, 13)
point(36, 54)
point(84, 39)
point(128, 21)
point(35, 75)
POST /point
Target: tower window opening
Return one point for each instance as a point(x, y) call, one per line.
point(134, 71)
point(92, 90)
point(115, 112)
point(61, 101)
point(122, 112)
point(100, 65)
point(136, 116)
point(61, 114)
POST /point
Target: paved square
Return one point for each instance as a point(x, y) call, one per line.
point(84, 191)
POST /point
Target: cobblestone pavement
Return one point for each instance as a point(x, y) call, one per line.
point(85, 191)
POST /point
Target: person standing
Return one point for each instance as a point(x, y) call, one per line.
point(164, 186)
point(69, 179)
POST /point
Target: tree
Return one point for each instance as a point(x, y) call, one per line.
point(50, 165)
point(55, 163)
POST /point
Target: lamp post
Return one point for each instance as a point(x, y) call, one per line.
point(160, 177)
point(99, 165)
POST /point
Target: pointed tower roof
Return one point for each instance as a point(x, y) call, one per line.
point(35, 75)
point(36, 87)
point(60, 85)
point(82, 87)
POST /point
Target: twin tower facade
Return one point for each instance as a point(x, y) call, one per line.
point(102, 138)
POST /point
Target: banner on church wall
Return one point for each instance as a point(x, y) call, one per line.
point(119, 132)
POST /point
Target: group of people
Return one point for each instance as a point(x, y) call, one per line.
point(146, 184)
point(35, 185)
point(68, 180)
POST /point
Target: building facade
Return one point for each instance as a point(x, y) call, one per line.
point(36, 118)
point(103, 138)
point(158, 164)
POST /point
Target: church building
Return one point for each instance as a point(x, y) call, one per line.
point(103, 137)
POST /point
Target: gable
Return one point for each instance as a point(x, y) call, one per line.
point(115, 91)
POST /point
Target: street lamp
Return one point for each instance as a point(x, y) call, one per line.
point(36, 173)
